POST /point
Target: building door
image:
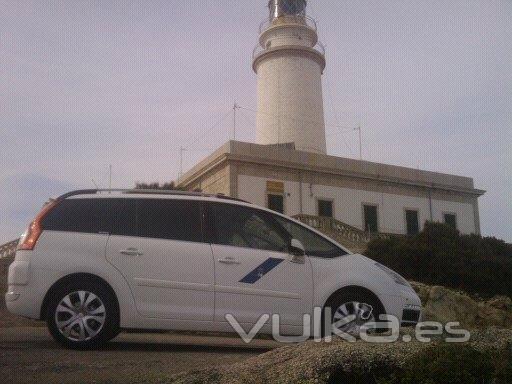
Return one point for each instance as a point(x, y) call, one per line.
point(254, 273)
point(371, 219)
point(275, 196)
point(158, 246)
point(412, 222)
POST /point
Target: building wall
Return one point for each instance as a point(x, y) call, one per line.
point(348, 203)
point(215, 181)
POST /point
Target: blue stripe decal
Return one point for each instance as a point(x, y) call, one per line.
point(261, 270)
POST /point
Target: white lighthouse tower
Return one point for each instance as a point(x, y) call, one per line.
point(289, 62)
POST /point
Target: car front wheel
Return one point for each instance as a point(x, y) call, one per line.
point(351, 311)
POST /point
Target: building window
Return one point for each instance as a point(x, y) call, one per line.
point(276, 203)
point(325, 208)
point(275, 195)
point(371, 218)
point(412, 222)
point(451, 220)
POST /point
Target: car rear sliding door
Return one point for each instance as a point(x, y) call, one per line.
point(158, 245)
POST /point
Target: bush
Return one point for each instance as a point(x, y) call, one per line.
point(503, 363)
point(447, 363)
point(439, 364)
point(440, 255)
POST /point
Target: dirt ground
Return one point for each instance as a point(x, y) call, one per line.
point(28, 354)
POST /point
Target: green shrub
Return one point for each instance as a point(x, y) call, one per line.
point(440, 255)
point(447, 363)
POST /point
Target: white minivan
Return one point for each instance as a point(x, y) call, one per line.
point(95, 262)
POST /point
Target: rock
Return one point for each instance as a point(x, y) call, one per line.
point(422, 290)
point(503, 303)
point(445, 306)
point(491, 316)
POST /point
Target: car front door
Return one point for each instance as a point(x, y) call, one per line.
point(158, 246)
point(254, 272)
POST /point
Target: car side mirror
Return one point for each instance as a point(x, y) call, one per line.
point(297, 251)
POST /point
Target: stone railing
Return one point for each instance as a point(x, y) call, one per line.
point(328, 224)
point(8, 249)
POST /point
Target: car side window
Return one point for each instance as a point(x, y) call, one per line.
point(240, 226)
point(166, 219)
point(169, 219)
point(314, 244)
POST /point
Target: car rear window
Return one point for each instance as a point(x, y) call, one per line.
point(82, 215)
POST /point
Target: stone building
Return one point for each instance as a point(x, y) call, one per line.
point(368, 196)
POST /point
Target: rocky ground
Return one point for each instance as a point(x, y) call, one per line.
point(337, 362)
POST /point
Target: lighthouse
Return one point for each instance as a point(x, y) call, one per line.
point(289, 62)
point(288, 170)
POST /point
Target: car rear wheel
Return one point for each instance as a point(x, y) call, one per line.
point(82, 315)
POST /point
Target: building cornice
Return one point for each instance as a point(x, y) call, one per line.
point(240, 153)
point(354, 175)
point(296, 50)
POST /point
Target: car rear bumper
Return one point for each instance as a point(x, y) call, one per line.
point(26, 289)
point(22, 301)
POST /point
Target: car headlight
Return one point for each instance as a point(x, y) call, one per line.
point(395, 276)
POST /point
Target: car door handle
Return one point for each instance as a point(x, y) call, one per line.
point(229, 260)
point(131, 252)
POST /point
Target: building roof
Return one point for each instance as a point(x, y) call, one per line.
point(284, 157)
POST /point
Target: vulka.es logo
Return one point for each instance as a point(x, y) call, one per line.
point(368, 332)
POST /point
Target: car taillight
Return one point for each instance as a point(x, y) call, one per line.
point(29, 239)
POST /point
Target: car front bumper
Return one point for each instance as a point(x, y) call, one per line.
point(405, 306)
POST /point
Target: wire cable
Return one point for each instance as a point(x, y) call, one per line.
point(208, 131)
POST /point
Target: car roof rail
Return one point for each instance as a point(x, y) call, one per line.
point(149, 192)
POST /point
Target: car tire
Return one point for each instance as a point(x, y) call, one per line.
point(352, 309)
point(83, 314)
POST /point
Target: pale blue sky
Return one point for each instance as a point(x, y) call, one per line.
point(84, 84)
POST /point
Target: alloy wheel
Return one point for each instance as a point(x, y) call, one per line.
point(80, 316)
point(350, 317)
